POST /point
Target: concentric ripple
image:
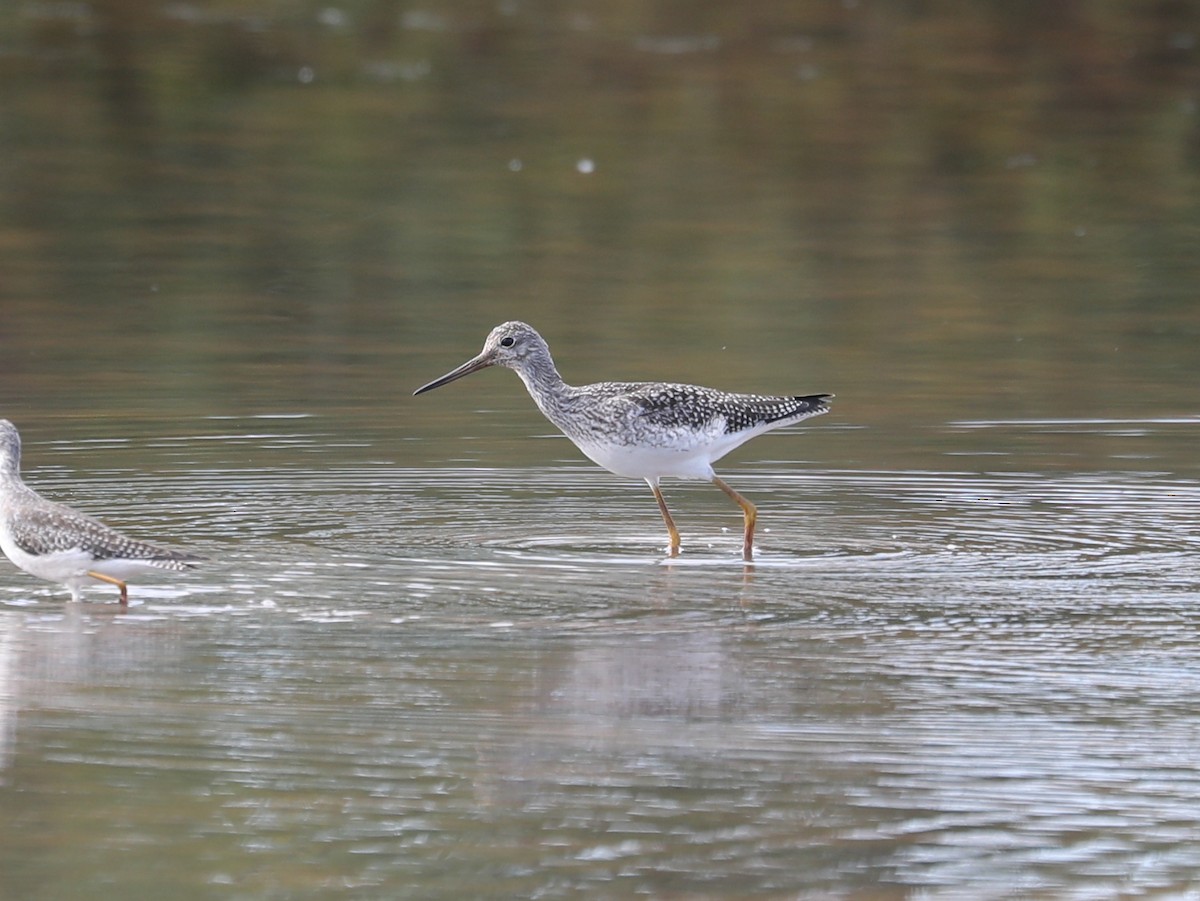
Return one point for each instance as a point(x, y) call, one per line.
point(470, 681)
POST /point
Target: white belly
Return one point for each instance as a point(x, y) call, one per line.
point(636, 462)
point(60, 566)
point(681, 453)
point(69, 567)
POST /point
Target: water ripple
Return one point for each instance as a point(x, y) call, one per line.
point(946, 682)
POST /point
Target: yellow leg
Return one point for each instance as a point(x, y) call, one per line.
point(666, 515)
point(751, 514)
point(111, 581)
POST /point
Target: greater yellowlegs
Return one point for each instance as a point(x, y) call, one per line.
point(642, 430)
point(54, 542)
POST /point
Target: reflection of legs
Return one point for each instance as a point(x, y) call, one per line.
point(666, 515)
point(751, 514)
point(111, 581)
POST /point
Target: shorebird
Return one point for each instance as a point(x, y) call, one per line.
point(642, 430)
point(54, 542)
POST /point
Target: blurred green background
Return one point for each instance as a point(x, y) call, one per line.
point(936, 210)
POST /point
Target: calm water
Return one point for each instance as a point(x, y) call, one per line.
point(439, 655)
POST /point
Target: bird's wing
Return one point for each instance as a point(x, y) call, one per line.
point(669, 406)
point(49, 527)
point(748, 411)
point(662, 405)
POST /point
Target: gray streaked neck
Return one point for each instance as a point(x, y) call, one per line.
point(542, 381)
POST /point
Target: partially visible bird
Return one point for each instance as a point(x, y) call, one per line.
point(643, 430)
point(54, 542)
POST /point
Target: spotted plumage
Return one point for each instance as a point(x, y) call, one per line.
point(643, 430)
point(53, 542)
point(670, 405)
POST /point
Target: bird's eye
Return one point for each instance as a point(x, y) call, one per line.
point(507, 342)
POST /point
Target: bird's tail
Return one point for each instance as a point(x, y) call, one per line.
point(176, 562)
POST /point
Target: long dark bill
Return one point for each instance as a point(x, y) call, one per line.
point(480, 362)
